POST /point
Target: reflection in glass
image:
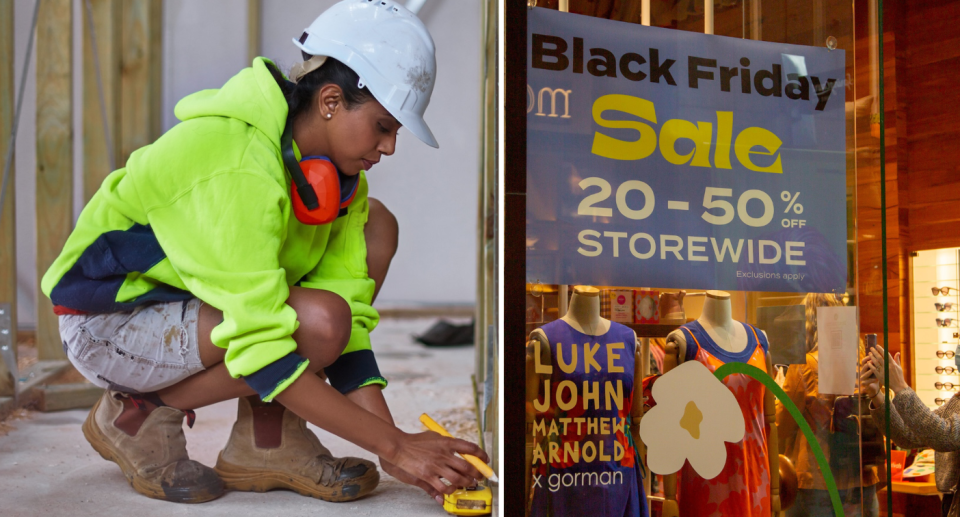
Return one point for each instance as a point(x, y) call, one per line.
point(833, 420)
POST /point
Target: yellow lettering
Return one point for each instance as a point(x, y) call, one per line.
point(615, 149)
point(604, 457)
point(579, 421)
point(721, 156)
point(588, 359)
point(553, 428)
point(700, 134)
point(568, 405)
point(619, 425)
point(539, 426)
point(537, 366)
point(613, 356)
point(589, 395)
point(542, 408)
point(554, 452)
point(567, 368)
point(618, 451)
point(618, 399)
point(604, 425)
point(592, 425)
point(565, 421)
point(757, 136)
point(538, 456)
point(571, 449)
point(588, 456)
point(750, 141)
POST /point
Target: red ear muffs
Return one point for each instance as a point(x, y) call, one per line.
point(319, 192)
point(322, 176)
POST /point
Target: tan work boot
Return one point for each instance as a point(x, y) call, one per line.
point(148, 444)
point(271, 447)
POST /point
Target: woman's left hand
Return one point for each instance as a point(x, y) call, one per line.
point(897, 382)
point(405, 477)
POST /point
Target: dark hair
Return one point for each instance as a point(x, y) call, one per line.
point(300, 95)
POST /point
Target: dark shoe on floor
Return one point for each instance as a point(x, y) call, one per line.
point(444, 333)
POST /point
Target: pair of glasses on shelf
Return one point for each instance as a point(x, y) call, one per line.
point(940, 401)
point(943, 307)
point(942, 290)
point(945, 354)
point(949, 370)
point(944, 322)
point(947, 386)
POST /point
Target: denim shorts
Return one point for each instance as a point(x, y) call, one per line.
point(145, 350)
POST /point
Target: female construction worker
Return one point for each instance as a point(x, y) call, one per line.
point(238, 257)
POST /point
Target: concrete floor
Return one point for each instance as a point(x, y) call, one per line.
point(47, 467)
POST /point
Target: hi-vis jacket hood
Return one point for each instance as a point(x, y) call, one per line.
point(205, 212)
point(251, 96)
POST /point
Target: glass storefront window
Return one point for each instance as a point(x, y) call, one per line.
point(729, 287)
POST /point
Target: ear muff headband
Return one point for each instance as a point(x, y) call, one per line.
point(304, 189)
point(321, 179)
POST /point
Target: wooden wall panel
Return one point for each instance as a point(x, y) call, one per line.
point(869, 209)
point(933, 134)
point(254, 29)
point(97, 157)
point(140, 82)
point(54, 155)
point(8, 227)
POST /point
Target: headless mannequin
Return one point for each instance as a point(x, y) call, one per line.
point(583, 314)
point(730, 335)
point(717, 320)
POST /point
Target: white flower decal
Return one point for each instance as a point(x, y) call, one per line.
point(695, 414)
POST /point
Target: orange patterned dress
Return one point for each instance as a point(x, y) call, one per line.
point(743, 487)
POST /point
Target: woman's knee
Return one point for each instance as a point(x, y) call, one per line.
point(382, 231)
point(325, 321)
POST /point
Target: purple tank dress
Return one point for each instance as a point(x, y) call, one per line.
point(603, 488)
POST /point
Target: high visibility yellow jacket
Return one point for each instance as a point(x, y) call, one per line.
point(205, 212)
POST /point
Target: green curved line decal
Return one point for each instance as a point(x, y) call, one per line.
point(756, 373)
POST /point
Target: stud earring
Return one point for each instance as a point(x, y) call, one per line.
point(329, 115)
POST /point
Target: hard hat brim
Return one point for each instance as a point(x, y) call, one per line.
point(419, 128)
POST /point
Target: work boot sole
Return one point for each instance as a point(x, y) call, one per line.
point(245, 479)
point(156, 491)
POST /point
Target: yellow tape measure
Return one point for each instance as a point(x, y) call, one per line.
point(469, 501)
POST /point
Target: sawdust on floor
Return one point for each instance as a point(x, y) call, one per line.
point(26, 354)
point(8, 424)
point(460, 422)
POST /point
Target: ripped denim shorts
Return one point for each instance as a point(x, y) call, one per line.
point(153, 347)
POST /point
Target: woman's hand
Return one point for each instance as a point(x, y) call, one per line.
point(408, 478)
point(875, 364)
point(869, 384)
point(429, 457)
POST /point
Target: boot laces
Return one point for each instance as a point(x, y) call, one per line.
point(330, 468)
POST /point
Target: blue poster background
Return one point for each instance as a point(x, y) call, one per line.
point(561, 129)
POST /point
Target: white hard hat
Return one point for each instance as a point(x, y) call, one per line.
point(388, 47)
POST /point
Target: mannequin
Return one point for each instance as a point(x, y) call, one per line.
point(732, 339)
point(583, 313)
point(583, 317)
point(717, 320)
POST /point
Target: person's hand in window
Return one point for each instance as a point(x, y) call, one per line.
point(869, 385)
point(875, 367)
